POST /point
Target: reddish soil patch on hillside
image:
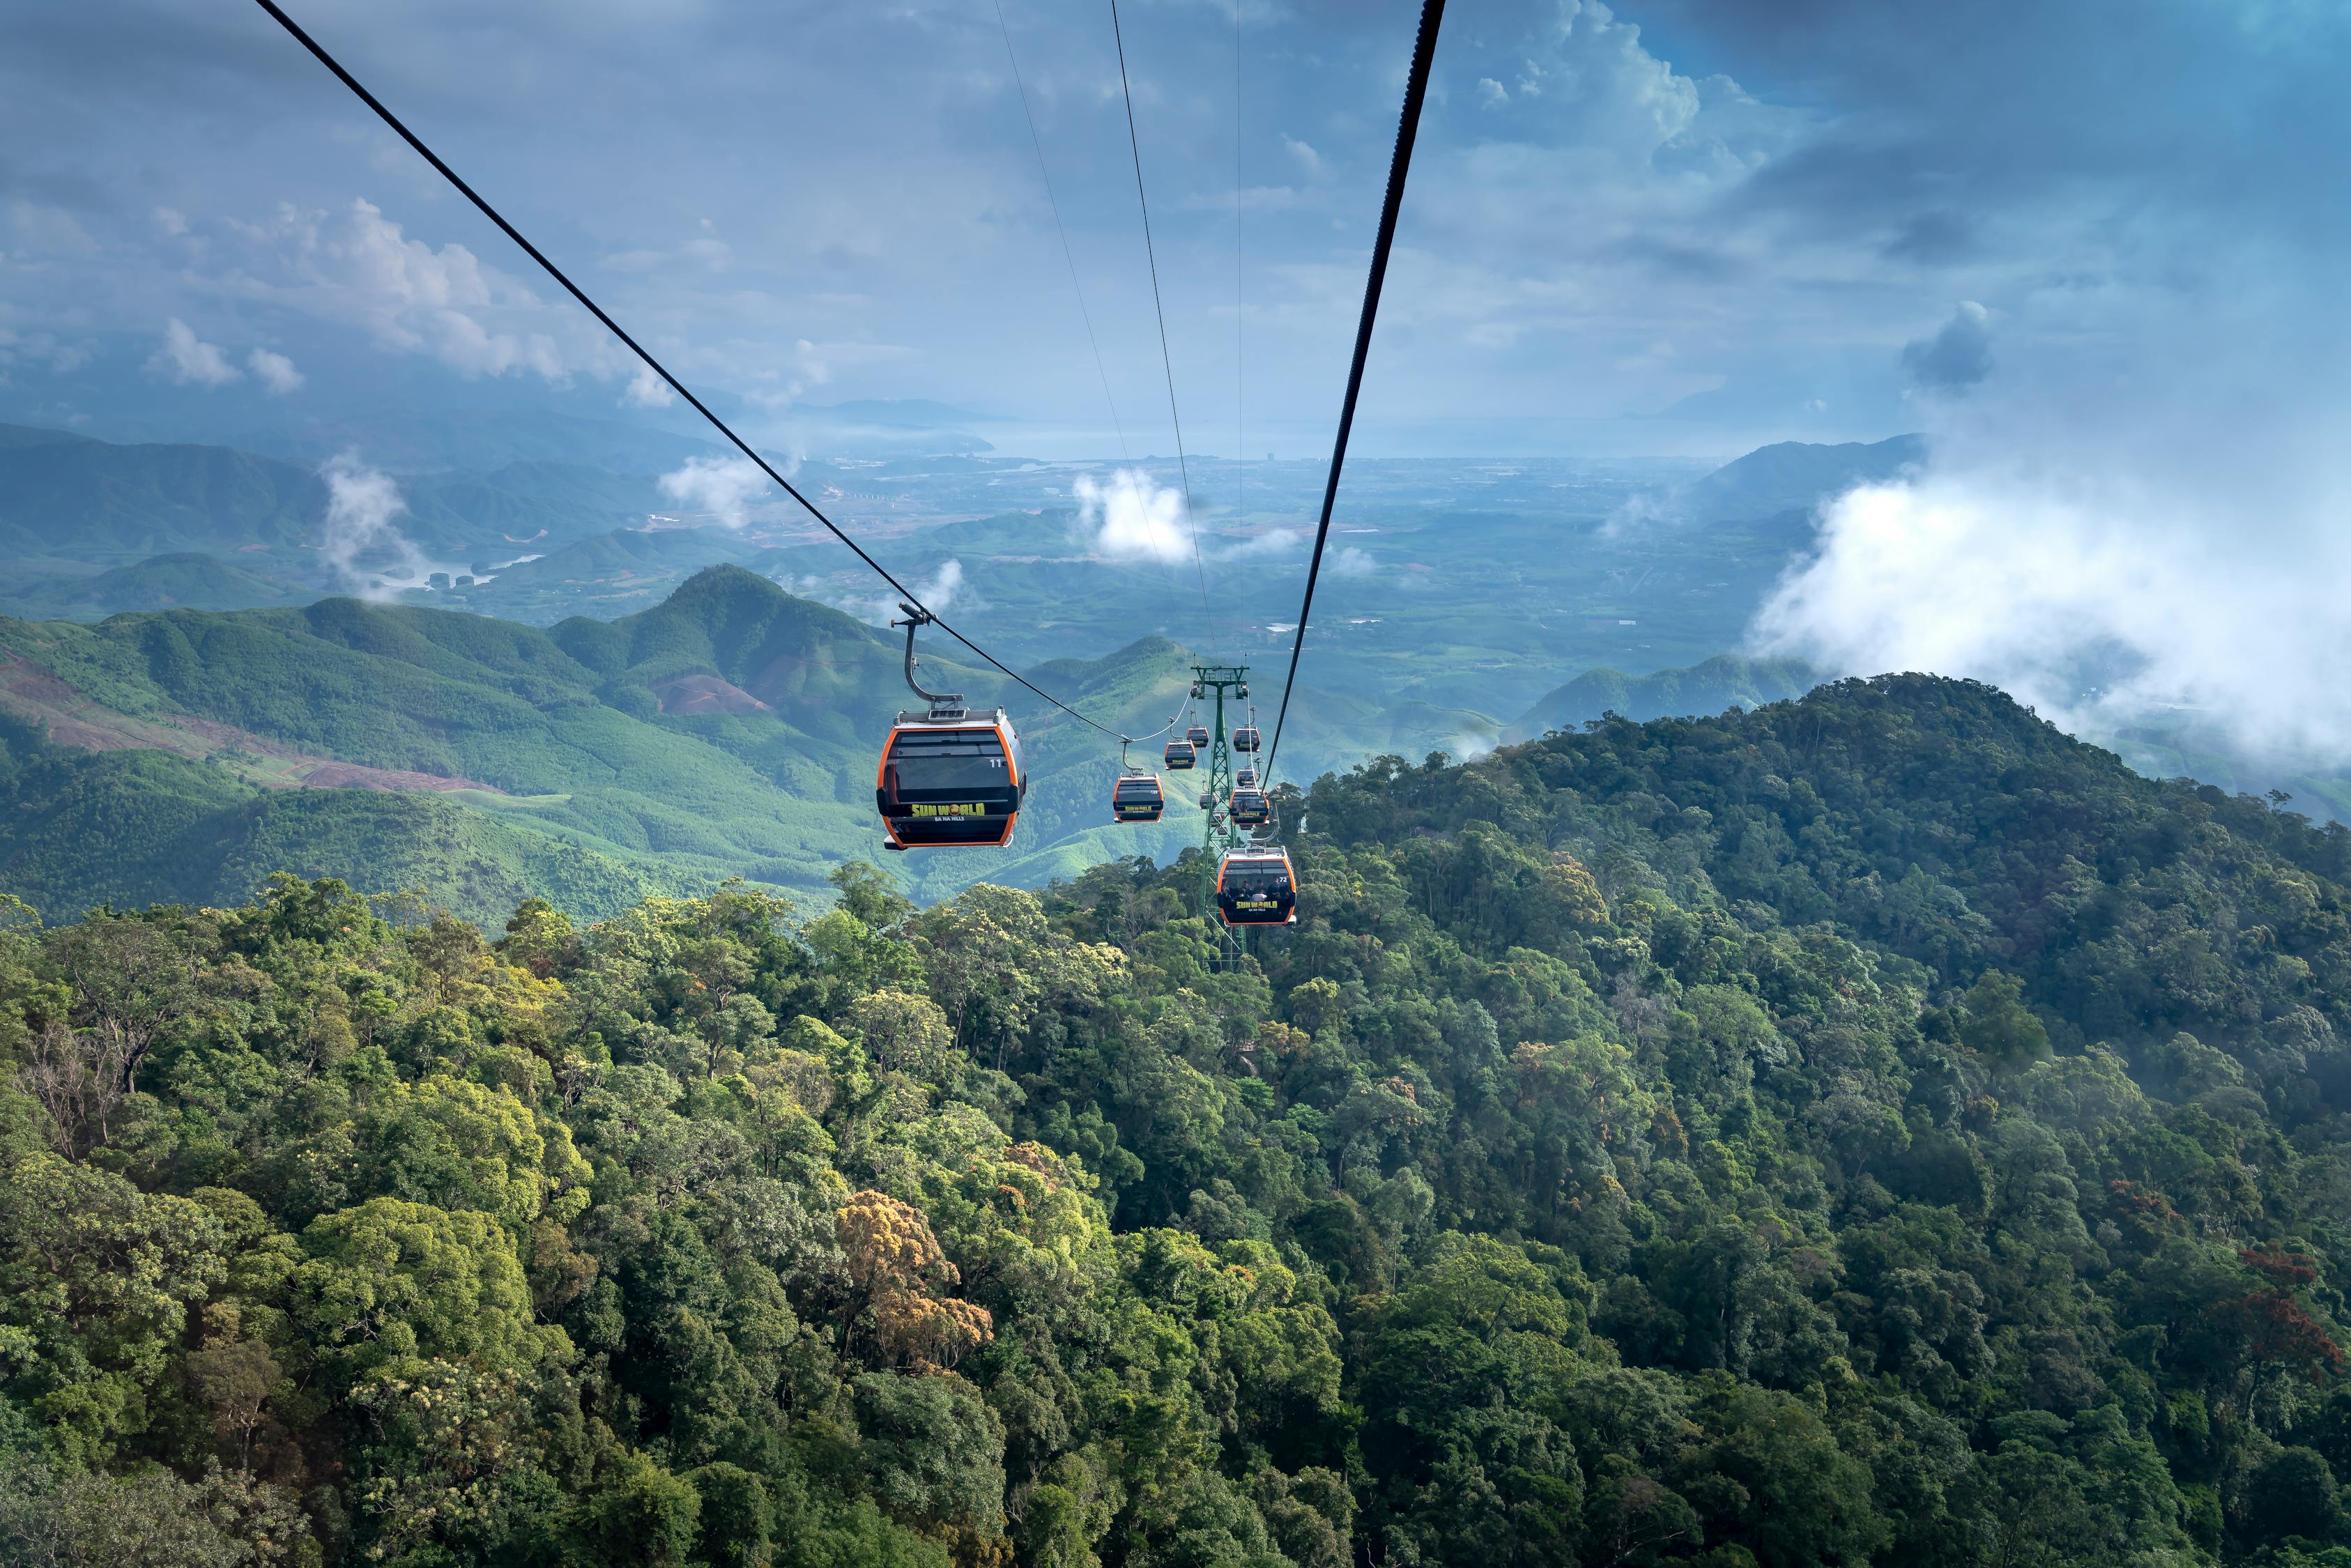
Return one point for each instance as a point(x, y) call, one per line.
point(351, 776)
point(706, 693)
point(34, 684)
point(89, 737)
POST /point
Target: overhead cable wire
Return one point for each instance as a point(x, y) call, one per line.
point(1046, 174)
point(1241, 397)
point(577, 293)
point(1183, 465)
point(1416, 91)
point(1068, 255)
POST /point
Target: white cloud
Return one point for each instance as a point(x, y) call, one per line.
point(1134, 519)
point(188, 360)
point(171, 221)
point(2128, 528)
point(647, 389)
point(2101, 602)
point(1272, 542)
point(938, 596)
point(357, 267)
point(723, 486)
point(363, 504)
point(1308, 160)
point(275, 371)
point(1491, 93)
point(1349, 562)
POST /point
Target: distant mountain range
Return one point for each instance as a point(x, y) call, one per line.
point(89, 528)
point(1717, 685)
point(1795, 476)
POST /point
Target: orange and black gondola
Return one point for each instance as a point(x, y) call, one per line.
point(1198, 735)
point(1245, 737)
point(1245, 779)
point(1136, 798)
point(1179, 755)
point(1249, 808)
point(1255, 886)
point(950, 781)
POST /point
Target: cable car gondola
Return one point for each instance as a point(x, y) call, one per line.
point(1179, 755)
point(948, 776)
point(1249, 808)
point(1245, 737)
point(1245, 779)
point(1136, 798)
point(1198, 735)
point(1255, 886)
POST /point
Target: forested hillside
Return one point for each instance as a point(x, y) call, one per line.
point(1871, 1129)
point(732, 729)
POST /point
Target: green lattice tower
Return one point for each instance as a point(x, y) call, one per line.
point(1214, 839)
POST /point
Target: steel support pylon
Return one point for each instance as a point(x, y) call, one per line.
point(1218, 833)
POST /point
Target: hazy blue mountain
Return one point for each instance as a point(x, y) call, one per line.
point(188, 580)
point(1795, 476)
point(68, 497)
point(529, 505)
point(606, 574)
point(1723, 682)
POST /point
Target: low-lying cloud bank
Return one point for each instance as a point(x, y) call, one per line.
point(2157, 562)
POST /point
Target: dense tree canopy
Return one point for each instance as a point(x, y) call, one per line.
point(1874, 1129)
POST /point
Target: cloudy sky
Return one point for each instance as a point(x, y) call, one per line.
point(2092, 249)
point(1819, 218)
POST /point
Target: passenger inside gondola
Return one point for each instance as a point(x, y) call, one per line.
point(1257, 887)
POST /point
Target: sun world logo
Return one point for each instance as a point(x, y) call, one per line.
point(954, 809)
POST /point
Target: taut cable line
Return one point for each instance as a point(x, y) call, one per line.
point(1151, 254)
point(1424, 51)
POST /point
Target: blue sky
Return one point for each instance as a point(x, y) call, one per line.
point(1813, 218)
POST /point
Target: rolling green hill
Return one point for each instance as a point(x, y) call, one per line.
point(133, 828)
point(730, 731)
